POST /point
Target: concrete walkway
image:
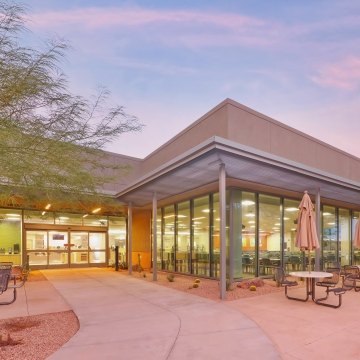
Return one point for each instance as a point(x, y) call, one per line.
point(122, 317)
point(126, 318)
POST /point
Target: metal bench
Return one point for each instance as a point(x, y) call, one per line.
point(348, 284)
point(8, 281)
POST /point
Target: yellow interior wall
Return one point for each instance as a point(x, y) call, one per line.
point(10, 234)
point(141, 233)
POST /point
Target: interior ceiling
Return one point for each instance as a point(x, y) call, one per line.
point(205, 169)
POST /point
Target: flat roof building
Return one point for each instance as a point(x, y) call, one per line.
point(219, 200)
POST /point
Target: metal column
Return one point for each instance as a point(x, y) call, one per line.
point(130, 238)
point(222, 203)
point(154, 231)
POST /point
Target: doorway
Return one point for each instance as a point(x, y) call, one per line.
point(65, 248)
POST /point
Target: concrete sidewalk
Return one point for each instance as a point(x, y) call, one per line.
point(122, 317)
point(126, 318)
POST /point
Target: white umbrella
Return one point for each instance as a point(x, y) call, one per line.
point(306, 235)
point(356, 241)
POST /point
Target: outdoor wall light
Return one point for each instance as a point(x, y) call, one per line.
point(96, 210)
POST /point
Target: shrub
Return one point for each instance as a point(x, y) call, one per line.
point(197, 281)
point(170, 277)
point(252, 288)
point(195, 285)
point(247, 283)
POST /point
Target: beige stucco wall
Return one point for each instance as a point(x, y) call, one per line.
point(236, 122)
point(213, 123)
point(250, 128)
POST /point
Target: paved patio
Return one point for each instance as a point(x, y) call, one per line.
point(127, 318)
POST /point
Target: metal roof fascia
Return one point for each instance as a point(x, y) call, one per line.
point(270, 159)
point(178, 161)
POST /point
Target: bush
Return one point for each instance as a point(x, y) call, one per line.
point(197, 281)
point(170, 277)
point(247, 283)
point(252, 288)
point(195, 285)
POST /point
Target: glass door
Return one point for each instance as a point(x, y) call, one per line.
point(58, 248)
point(79, 248)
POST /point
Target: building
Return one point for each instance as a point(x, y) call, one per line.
point(222, 194)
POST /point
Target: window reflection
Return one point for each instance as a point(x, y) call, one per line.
point(248, 231)
point(329, 239)
point(293, 257)
point(344, 237)
point(356, 252)
point(200, 225)
point(183, 255)
point(269, 234)
point(169, 238)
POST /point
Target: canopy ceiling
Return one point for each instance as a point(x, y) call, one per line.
point(200, 166)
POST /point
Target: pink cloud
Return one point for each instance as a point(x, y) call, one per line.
point(198, 28)
point(106, 17)
point(344, 74)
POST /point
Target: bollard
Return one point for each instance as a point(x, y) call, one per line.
point(117, 258)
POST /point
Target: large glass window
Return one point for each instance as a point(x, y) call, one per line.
point(117, 237)
point(38, 217)
point(68, 219)
point(201, 226)
point(329, 236)
point(293, 258)
point(36, 246)
point(159, 238)
point(269, 234)
point(248, 234)
point(356, 251)
point(10, 235)
point(344, 237)
point(183, 254)
point(169, 238)
point(58, 240)
point(215, 236)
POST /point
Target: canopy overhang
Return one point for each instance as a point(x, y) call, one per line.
point(200, 165)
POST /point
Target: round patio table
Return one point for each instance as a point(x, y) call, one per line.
point(310, 277)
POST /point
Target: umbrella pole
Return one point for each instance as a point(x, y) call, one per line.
point(309, 261)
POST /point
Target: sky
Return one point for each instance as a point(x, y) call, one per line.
point(169, 62)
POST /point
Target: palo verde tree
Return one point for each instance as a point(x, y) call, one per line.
point(50, 139)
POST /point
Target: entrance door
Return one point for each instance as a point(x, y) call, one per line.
point(53, 248)
point(79, 248)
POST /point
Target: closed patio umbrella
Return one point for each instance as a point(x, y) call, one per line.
point(356, 241)
point(306, 235)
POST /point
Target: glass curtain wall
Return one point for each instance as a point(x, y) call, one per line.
point(329, 237)
point(159, 237)
point(292, 255)
point(247, 214)
point(215, 237)
point(168, 238)
point(183, 254)
point(356, 251)
point(201, 227)
point(344, 237)
point(10, 235)
point(262, 235)
point(269, 234)
point(117, 237)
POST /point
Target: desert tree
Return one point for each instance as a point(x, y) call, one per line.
point(51, 140)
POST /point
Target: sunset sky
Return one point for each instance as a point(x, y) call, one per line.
point(169, 62)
